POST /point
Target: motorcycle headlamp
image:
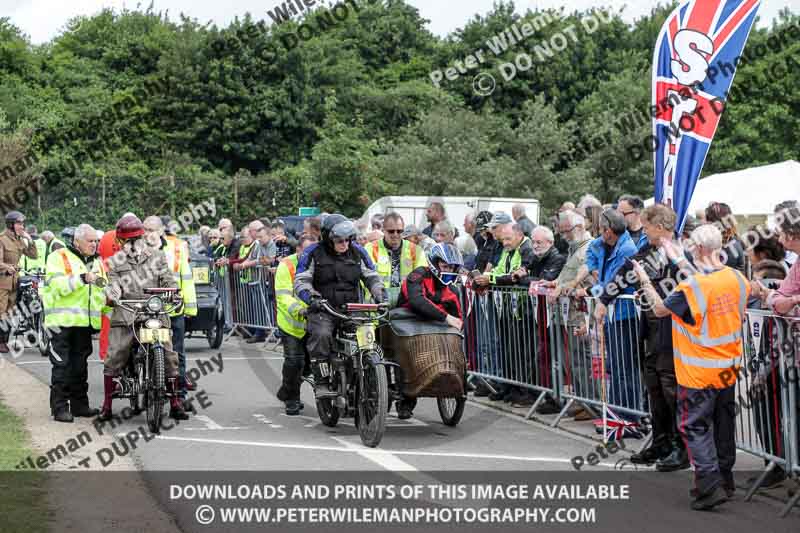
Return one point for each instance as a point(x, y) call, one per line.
point(152, 323)
point(155, 305)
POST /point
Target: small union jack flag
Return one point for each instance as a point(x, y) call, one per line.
point(617, 428)
point(694, 64)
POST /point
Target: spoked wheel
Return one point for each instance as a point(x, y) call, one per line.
point(328, 412)
point(451, 409)
point(372, 404)
point(155, 392)
point(42, 338)
point(136, 403)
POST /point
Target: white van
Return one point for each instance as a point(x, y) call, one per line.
point(412, 208)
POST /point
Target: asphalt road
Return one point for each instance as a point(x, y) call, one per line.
point(245, 429)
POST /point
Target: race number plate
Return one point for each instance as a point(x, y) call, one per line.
point(365, 335)
point(149, 336)
point(200, 275)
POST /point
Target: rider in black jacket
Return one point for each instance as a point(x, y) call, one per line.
point(332, 270)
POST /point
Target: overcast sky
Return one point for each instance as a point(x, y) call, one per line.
point(44, 19)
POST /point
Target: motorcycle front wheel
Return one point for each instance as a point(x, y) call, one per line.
point(373, 402)
point(156, 391)
point(42, 338)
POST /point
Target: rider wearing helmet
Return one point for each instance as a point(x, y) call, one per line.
point(332, 270)
point(134, 268)
point(429, 293)
point(14, 243)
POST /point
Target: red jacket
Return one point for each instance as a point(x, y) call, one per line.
point(108, 245)
point(427, 297)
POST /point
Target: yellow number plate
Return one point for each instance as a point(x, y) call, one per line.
point(149, 336)
point(366, 335)
point(200, 275)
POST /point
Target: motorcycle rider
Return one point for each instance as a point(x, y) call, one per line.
point(332, 270)
point(14, 242)
point(429, 293)
point(137, 266)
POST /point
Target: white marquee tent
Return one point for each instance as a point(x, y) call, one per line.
point(753, 191)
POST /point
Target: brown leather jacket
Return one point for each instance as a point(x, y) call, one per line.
point(129, 274)
point(11, 249)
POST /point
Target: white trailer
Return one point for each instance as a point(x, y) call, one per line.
point(412, 208)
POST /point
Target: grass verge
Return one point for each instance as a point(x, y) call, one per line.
point(23, 504)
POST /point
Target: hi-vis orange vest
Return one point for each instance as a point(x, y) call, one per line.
point(709, 353)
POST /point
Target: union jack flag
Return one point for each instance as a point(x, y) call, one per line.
point(694, 64)
point(617, 428)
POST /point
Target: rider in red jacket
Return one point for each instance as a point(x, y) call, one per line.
point(429, 294)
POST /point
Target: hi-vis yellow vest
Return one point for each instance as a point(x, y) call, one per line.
point(177, 252)
point(709, 353)
point(28, 264)
point(411, 257)
point(289, 319)
point(68, 301)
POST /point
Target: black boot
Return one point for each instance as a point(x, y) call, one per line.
point(60, 404)
point(63, 415)
point(405, 408)
point(678, 459)
point(322, 384)
point(651, 454)
point(293, 407)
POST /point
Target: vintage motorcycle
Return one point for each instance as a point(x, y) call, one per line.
point(143, 379)
point(357, 373)
point(32, 318)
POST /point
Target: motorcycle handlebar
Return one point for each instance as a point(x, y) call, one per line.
point(372, 308)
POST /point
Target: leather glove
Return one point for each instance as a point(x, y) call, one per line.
point(315, 305)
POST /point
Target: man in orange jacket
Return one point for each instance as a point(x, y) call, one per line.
point(707, 314)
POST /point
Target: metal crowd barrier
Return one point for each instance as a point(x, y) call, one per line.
point(508, 340)
point(767, 395)
point(560, 350)
point(515, 338)
point(600, 365)
point(249, 296)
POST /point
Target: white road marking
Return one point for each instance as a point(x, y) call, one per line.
point(382, 458)
point(210, 424)
point(391, 421)
point(263, 419)
point(492, 457)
